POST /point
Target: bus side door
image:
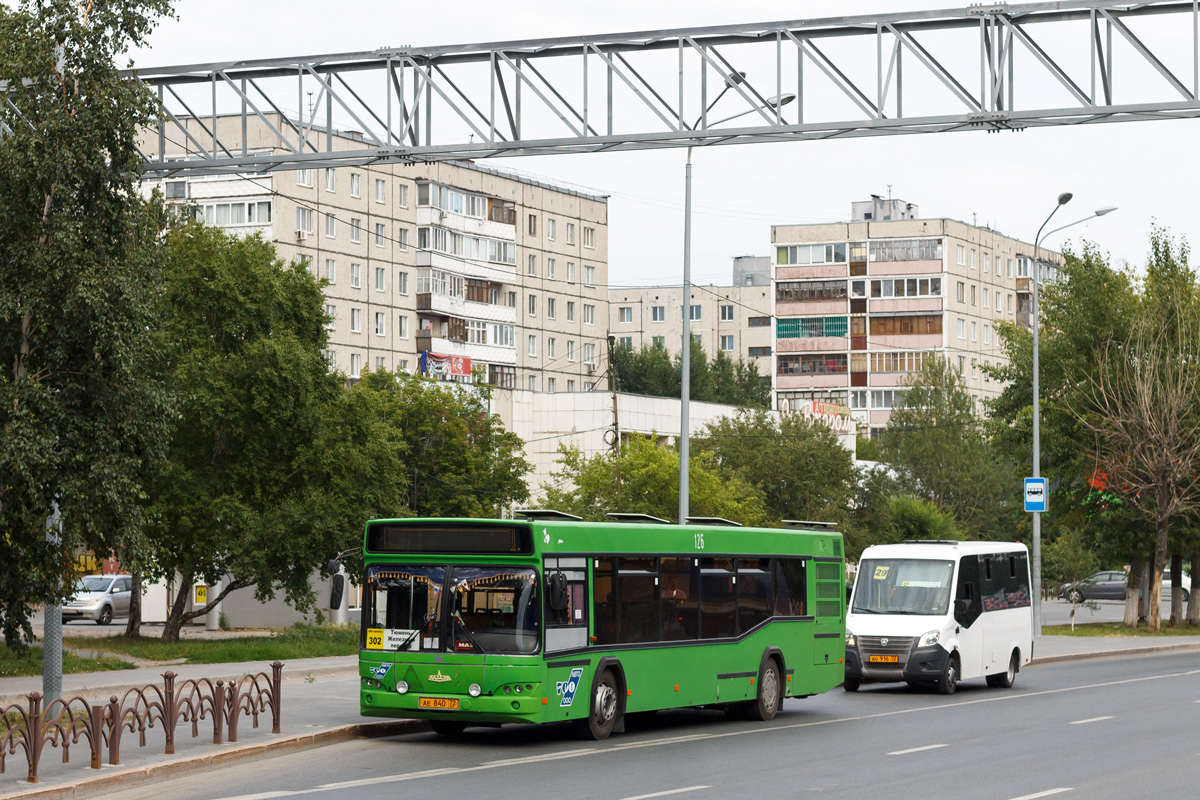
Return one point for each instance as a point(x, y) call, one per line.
point(967, 610)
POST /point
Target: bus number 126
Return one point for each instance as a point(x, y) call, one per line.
point(699, 541)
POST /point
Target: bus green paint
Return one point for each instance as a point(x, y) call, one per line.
point(652, 676)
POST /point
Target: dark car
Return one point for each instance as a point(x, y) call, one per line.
point(1108, 585)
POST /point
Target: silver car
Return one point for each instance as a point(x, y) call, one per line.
point(99, 598)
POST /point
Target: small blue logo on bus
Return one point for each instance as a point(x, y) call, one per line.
point(378, 673)
point(567, 688)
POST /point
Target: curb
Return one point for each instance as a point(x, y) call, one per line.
point(181, 767)
point(1129, 651)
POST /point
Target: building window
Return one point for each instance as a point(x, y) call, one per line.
point(888, 398)
point(889, 361)
point(533, 346)
point(726, 313)
point(550, 229)
point(304, 177)
point(331, 270)
point(355, 320)
point(972, 294)
point(570, 272)
point(355, 230)
point(549, 269)
point(533, 305)
point(379, 363)
point(905, 250)
point(812, 364)
point(570, 311)
point(355, 184)
point(974, 331)
point(402, 328)
point(997, 265)
point(304, 219)
point(403, 365)
point(330, 226)
point(402, 280)
point(658, 313)
point(962, 255)
point(625, 314)
point(758, 322)
point(570, 385)
point(380, 236)
point(330, 181)
point(985, 297)
point(503, 335)
point(380, 325)
point(549, 384)
point(505, 377)
point(589, 238)
point(727, 342)
point(811, 327)
point(570, 233)
point(974, 370)
point(305, 262)
point(403, 235)
point(759, 352)
point(589, 314)
point(997, 296)
point(962, 329)
point(811, 254)
point(694, 313)
point(987, 333)
point(810, 291)
point(906, 287)
point(403, 195)
point(972, 258)
point(570, 349)
point(627, 342)
point(533, 224)
point(354, 365)
point(959, 290)
point(899, 326)
point(531, 269)
point(380, 191)
point(550, 348)
point(356, 276)
point(589, 353)
point(1010, 304)
point(660, 342)
point(961, 361)
point(331, 313)
point(858, 399)
point(550, 310)
point(589, 276)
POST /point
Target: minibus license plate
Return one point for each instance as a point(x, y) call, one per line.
point(439, 703)
point(884, 659)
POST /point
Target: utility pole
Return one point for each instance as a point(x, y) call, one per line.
point(52, 627)
point(685, 388)
point(612, 385)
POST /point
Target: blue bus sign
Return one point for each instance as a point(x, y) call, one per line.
point(1035, 494)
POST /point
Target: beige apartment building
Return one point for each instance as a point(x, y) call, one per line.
point(447, 269)
point(735, 320)
point(859, 306)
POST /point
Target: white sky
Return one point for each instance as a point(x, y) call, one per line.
point(1007, 180)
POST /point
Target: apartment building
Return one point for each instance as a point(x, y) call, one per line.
point(860, 306)
point(735, 320)
point(452, 269)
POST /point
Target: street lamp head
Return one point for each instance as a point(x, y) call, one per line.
point(780, 100)
point(1100, 212)
point(735, 79)
point(1064, 198)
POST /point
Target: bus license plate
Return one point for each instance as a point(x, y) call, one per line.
point(883, 659)
point(438, 703)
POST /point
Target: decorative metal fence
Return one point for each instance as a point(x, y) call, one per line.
point(65, 722)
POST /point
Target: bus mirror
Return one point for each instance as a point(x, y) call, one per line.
point(558, 591)
point(336, 591)
point(334, 567)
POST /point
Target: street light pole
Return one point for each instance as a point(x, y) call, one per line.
point(685, 388)
point(1063, 199)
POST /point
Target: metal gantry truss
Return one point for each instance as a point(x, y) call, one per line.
point(993, 67)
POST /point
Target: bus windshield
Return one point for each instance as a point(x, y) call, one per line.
point(902, 586)
point(403, 607)
point(495, 610)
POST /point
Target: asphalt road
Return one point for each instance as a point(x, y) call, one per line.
point(1110, 728)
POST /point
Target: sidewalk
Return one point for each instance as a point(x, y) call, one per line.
point(320, 707)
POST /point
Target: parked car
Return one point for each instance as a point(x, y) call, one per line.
point(1110, 585)
point(99, 598)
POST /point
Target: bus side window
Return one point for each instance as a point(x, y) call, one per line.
point(1016, 584)
point(604, 592)
point(966, 597)
point(790, 590)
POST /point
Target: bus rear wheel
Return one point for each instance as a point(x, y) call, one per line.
point(769, 694)
point(444, 727)
point(603, 716)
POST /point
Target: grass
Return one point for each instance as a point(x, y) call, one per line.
point(13, 665)
point(1117, 629)
point(300, 641)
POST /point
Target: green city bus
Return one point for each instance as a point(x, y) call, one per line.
point(548, 618)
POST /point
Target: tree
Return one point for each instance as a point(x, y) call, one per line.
point(648, 484)
point(1070, 561)
point(916, 518)
point(81, 408)
point(937, 445)
point(796, 462)
point(247, 496)
point(652, 371)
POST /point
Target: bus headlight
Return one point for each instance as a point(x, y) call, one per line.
point(474, 690)
point(929, 639)
point(402, 687)
point(851, 641)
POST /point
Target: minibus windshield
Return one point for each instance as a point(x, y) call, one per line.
point(902, 586)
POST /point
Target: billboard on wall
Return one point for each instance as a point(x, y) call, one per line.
point(439, 366)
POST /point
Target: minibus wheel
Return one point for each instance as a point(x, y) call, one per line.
point(948, 682)
point(851, 685)
point(1005, 679)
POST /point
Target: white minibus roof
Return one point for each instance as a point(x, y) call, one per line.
point(939, 550)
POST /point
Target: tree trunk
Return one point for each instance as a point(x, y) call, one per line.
point(1176, 590)
point(1133, 584)
point(175, 617)
point(1154, 590)
point(133, 628)
point(1193, 611)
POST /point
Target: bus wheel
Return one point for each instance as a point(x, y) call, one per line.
point(949, 680)
point(444, 727)
point(767, 705)
point(603, 717)
point(1005, 680)
point(851, 684)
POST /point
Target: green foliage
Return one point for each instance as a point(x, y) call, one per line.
point(937, 445)
point(917, 518)
point(29, 662)
point(298, 641)
point(797, 463)
point(651, 371)
point(649, 484)
point(1067, 558)
point(81, 410)
point(871, 511)
point(867, 448)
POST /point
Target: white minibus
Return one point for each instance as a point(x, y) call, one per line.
point(937, 612)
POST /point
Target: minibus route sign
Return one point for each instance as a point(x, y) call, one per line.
point(1035, 495)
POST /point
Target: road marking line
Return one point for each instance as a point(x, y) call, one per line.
point(669, 791)
point(1046, 793)
point(1086, 721)
point(917, 749)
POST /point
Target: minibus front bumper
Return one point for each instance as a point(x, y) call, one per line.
point(922, 664)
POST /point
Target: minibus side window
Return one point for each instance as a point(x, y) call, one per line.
point(966, 596)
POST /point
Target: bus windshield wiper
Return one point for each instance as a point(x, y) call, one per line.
point(463, 626)
point(404, 645)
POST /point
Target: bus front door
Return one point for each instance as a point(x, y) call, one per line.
point(967, 608)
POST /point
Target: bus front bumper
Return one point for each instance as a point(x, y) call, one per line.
point(924, 664)
point(483, 709)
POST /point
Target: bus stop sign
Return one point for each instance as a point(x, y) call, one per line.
point(1035, 494)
